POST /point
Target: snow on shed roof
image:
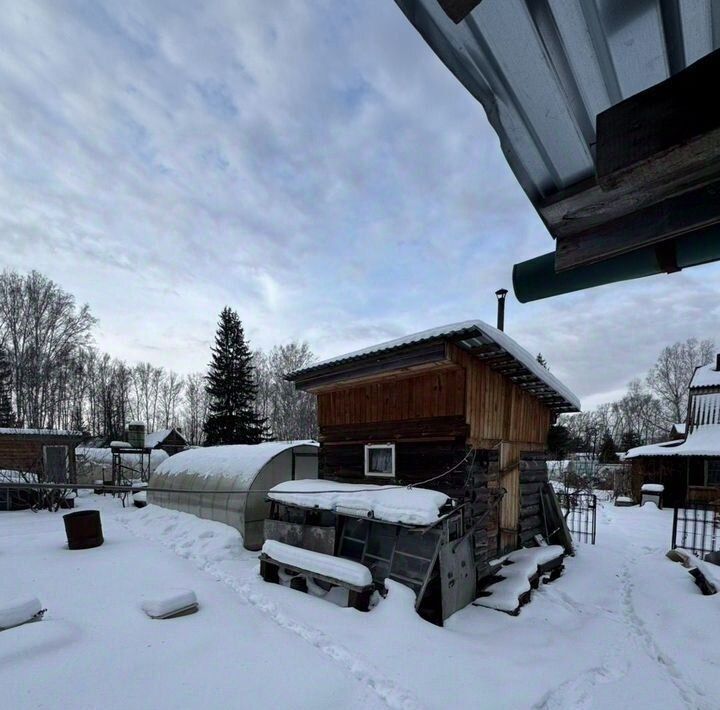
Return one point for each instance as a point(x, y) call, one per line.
point(157, 437)
point(706, 376)
point(240, 461)
point(41, 432)
point(392, 504)
point(478, 333)
point(703, 441)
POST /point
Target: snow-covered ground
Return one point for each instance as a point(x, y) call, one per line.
point(623, 628)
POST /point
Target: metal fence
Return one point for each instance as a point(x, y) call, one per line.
point(580, 511)
point(696, 527)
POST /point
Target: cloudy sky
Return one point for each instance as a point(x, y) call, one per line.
point(311, 164)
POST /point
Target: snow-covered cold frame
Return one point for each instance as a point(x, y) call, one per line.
point(623, 628)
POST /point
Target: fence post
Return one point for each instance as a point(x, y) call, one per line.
point(675, 521)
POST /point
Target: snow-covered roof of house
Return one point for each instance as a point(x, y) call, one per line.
point(469, 335)
point(679, 428)
point(391, 504)
point(41, 432)
point(703, 441)
point(241, 462)
point(157, 437)
point(706, 376)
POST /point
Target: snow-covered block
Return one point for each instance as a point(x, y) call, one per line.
point(347, 571)
point(393, 504)
point(140, 499)
point(119, 445)
point(624, 501)
point(173, 602)
point(20, 610)
point(653, 488)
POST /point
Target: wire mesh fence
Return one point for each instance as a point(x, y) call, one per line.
point(696, 527)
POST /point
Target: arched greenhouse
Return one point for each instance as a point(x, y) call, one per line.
point(244, 474)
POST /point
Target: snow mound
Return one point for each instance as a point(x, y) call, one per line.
point(326, 565)
point(203, 541)
point(170, 602)
point(18, 611)
point(393, 504)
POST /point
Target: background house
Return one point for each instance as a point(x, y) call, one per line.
point(462, 409)
point(48, 454)
point(688, 467)
point(171, 441)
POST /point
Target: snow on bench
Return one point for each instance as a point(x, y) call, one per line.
point(174, 602)
point(351, 573)
point(518, 572)
point(392, 504)
point(20, 610)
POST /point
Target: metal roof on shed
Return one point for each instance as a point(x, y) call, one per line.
point(499, 350)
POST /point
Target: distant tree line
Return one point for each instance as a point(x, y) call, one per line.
point(644, 414)
point(52, 375)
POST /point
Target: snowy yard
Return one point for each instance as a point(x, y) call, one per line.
point(624, 628)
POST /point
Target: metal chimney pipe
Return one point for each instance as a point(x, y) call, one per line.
point(717, 362)
point(501, 294)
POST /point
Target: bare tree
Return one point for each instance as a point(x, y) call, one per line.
point(195, 408)
point(669, 379)
point(43, 330)
point(171, 389)
point(291, 414)
point(146, 380)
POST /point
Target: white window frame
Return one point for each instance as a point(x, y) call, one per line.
point(372, 474)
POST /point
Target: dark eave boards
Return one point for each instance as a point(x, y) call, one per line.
point(606, 114)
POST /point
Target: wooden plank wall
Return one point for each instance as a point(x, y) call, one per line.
point(502, 417)
point(439, 393)
point(497, 409)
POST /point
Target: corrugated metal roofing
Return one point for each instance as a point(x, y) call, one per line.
point(544, 69)
point(468, 334)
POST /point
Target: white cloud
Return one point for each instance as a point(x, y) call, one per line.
point(313, 165)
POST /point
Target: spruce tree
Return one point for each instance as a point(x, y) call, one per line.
point(231, 388)
point(7, 417)
point(608, 452)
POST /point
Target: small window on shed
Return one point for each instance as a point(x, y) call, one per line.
point(380, 460)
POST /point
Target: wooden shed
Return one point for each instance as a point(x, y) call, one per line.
point(48, 454)
point(462, 409)
point(171, 441)
point(688, 465)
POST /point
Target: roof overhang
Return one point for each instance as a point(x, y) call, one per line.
point(604, 114)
